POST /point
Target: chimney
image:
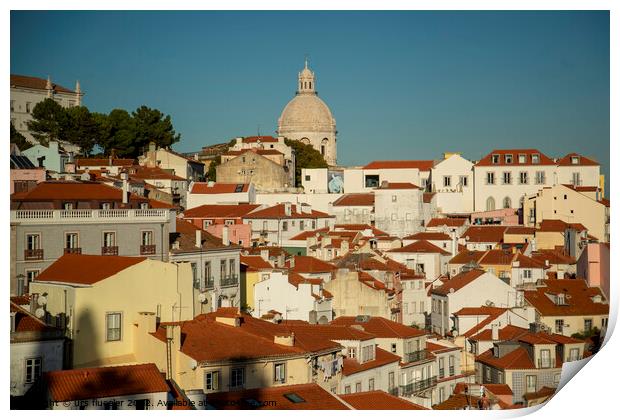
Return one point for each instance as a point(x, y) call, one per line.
point(287, 209)
point(264, 254)
point(285, 340)
point(198, 238)
point(125, 177)
point(453, 242)
point(495, 332)
point(306, 208)
point(560, 275)
point(148, 321)
point(225, 239)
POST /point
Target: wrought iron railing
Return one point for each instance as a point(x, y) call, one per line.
point(148, 249)
point(416, 356)
point(418, 386)
point(73, 250)
point(229, 280)
point(109, 250)
point(33, 254)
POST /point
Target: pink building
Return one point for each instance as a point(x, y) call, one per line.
point(507, 217)
point(593, 265)
point(237, 234)
point(23, 180)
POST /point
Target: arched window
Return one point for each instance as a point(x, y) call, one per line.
point(310, 85)
point(490, 204)
point(507, 203)
point(305, 140)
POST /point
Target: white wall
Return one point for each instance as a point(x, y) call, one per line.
point(399, 217)
point(456, 198)
point(51, 353)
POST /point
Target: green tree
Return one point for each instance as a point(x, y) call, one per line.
point(48, 121)
point(81, 129)
point(18, 139)
point(152, 126)
point(305, 157)
point(211, 172)
point(117, 131)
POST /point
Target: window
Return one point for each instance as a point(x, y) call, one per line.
point(33, 369)
point(347, 389)
point(206, 223)
point(530, 383)
point(573, 355)
point(574, 160)
point(507, 178)
point(463, 180)
point(237, 377)
point(490, 204)
point(313, 224)
point(540, 177)
point(31, 275)
point(229, 222)
point(284, 226)
point(358, 387)
point(368, 353)
point(508, 158)
point(12, 106)
point(527, 274)
point(507, 203)
point(393, 199)
point(559, 326)
point(147, 237)
point(208, 278)
point(441, 368)
point(487, 374)
point(113, 326)
point(371, 181)
point(105, 206)
point(301, 225)
point(67, 206)
point(371, 384)
point(109, 239)
point(279, 373)
point(556, 378)
point(33, 241)
point(447, 181)
point(576, 179)
point(212, 381)
point(222, 269)
point(587, 325)
point(490, 178)
point(500, 377)
point(307, 177)
point(523, 178)
point(495, 159)
point(522, 158)
point(144, 206)
point(535, 158)
point(393, 347)
point(545, 358)
point(232, 263)
point(441, 394)
point(71, 240)
point(451, 365)
point(28, 107)
point(351, 351)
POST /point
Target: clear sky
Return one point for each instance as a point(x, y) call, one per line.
point(401, 85)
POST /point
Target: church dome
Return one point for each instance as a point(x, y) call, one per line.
point(306, 113)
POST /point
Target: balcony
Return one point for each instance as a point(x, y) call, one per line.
point(229, 281)
point(418, 386)
point(546, 363)
point(451, 371)
point(442, 373)
point(416, 356)
point(73, 251)
point(148, 249)
point(109, 250)
point(210, 284)
point(86, 216)
point(33, 254)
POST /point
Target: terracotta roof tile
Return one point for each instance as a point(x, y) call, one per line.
point(543, 392)
point(398, 186)
point(555, 225)
point(379, 400)
point(458, 282)
point(484, 234)
point(520, 230)
point(312, 395)
point(27, 322)
point(509, 332)
point(296, 279)
point(355, 199)
point(255, 262)
point(429, 236)
point(381, 327)
point(583, 161)
point(75, 190)
point(422, 165)
point(577, 300)
point(218, 188)
point(487, 160)
point(104, 162)
point(306, 264)
point(84, 384)
point(31, 82)
point(261, 139)
point(279, 212)
point(422, 247)
point(185, 236)
point(450, 222)
point(144, 172)
point(553, 256)
point(220, 210)
point(86, 269)
point(382, 358)
point(466, 257)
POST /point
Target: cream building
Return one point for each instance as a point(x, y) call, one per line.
point(452, 180)
point(308, 119)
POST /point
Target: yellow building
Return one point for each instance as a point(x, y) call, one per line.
point(98, 298)
point(253, 268)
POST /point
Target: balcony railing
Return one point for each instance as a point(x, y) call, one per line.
point(229, 280)
point(56, 216)
point(451, 370)
point(148, 249)
point(393, 391)
point(109, 250)
point(546, 363)
point(33, 254)
point(210, 284)
point(442, 373)
point(416, 356)
point(418, 386)
point(73, 250)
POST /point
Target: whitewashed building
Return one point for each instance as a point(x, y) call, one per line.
point(398, 208)
point(452, 180)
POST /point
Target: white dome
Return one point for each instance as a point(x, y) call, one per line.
point(306, 113)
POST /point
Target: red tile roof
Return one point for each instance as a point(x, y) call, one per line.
point(543, 392)
point(520, 230)
point(489, 313)
point(185, 236)
point(509, 332)
point(422, 165)
point(144, 172)
point(457, 282)
point(555, 225)
point(380, 327)
point(430, 236)
point(487, 160)
point(458, 402)
point(261, 152)
point(495, 389)
point(379, 400)
point(86, 269)
point(155, 204)
point(422, 247)
point(314, 398)
point(296, 279)
point(578, 298)
point(351, 366)
point(31, 82)
point(307, 234)
point(75, 190)
point(553, 256)
point(261, 139)
point(484, 233)
point(254, 262)
point(330, 331)
point(21, 300)
point(497, 257)
point(27, 322)
point(104, 162)
point(466, 257)
point(583, 161)
point(516, 359)
point(220, 210)
point(207, 340)
point(218, 188)
point(450, 222)
point(355, 199)
point(398, 186)
point(278, 212)
point(436, 348)
point(116, 381)
point(306, 264)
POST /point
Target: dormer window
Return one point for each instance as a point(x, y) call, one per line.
point(535, 158)
point(495, 159)
point(522, 158)
point(574, 160)
point(560, 299)
point(508, 158)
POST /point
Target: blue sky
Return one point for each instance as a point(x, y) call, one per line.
point(401, 85)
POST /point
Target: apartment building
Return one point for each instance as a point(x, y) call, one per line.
point(398, 208)
point(357, 208)
point(201, 193)
point(452, 180)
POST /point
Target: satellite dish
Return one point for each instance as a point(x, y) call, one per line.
point(202, 298)
point(42, 301)
point(39, 313)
